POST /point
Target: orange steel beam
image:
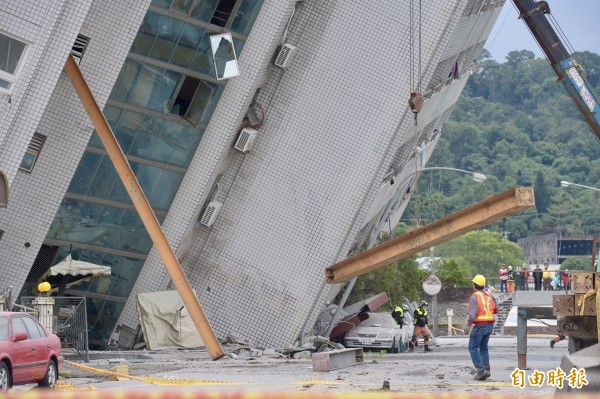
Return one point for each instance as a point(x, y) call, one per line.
point(484, 212)
point(144, 210)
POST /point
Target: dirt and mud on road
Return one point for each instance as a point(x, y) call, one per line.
point(447, 369)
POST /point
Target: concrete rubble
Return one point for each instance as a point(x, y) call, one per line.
point(447, 369)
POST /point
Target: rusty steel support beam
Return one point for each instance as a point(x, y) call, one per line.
point(456, 224)
point(144, 210)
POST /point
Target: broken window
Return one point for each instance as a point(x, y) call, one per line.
point(191, 99)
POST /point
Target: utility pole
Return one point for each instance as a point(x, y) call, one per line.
point(434, 304)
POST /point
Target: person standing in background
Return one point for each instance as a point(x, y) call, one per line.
point(547, 275)
point(537, 277)
point(511, 279)
point(566, 280)
point(524, 274)
point(503, 274)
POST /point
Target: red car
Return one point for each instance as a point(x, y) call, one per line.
point(28, 352)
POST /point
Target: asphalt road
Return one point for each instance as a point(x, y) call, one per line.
point(447, 369)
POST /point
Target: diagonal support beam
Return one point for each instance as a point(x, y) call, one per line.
point(456, 224)
point(142, 206)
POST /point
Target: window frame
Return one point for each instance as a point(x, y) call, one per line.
point(36, 333)
point(191, 7)
point(12, 78)
point(176, 95)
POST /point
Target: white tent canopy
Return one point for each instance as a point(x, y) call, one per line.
point(70, 267)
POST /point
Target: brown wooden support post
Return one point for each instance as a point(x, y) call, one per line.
point(144, 210)
point(458, 223)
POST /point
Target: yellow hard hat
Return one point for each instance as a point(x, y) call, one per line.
point(479, 280)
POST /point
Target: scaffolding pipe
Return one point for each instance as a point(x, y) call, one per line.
point(144, 210)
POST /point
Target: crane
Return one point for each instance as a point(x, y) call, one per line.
point(565, 65)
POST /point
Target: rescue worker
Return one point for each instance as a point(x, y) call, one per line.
point(398, 314)
point(482, 308)
point(511, 279)
point(420, 322)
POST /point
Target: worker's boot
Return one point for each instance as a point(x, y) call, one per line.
point(427, 349)
point(411, 347)
point(481, 375)
point(552, 343)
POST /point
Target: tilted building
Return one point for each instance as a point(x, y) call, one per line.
point(261, 179)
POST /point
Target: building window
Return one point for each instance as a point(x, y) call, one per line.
point(216, 12)
point(191, 98)
point(32, 153)
point(12, 54)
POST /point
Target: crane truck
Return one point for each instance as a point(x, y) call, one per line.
point(565, 65)
point(576, 311)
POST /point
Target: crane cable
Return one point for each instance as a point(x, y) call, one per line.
point(415, 100)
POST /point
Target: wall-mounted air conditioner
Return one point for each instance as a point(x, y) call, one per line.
point(285, 55)
point(81, 43)
point(210, 213)
point(245, 140)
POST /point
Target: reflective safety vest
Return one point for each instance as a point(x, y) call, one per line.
point(399, 310)
point(420, 313)
point(486, 308)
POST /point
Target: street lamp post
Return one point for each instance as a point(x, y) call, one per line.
point(568, 183)
point(477, 177)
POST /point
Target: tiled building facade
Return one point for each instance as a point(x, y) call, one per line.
point(333, 130)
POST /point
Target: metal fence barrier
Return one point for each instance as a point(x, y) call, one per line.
point(69, 322)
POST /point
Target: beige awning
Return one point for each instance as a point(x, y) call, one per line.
point(70, 267)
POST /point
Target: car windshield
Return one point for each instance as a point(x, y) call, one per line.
point(379, 320)
point(3, 328)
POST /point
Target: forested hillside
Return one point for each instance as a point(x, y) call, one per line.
point(514, 123)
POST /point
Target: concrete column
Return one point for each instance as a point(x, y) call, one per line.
point(521, 338)
point(45, 307)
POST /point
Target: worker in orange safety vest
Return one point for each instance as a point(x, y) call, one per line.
point(482, 308)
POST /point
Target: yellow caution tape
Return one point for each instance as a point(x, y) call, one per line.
point(318, 381)
point(168, 382)
point(64, 386)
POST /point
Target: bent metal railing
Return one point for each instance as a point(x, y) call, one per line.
point(69, 322)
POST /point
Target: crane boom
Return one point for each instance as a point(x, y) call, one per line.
point(566, 67)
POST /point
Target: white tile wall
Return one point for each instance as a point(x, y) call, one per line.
point(48, 104)
point(335, 120)
point(292, 206)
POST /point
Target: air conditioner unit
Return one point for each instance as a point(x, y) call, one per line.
point(81, 43)
point(285, 55)
point(210, 213)
point(245, 140)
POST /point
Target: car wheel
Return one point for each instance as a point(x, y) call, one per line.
point(4, 377)
point(394, 348)
point(50, 377)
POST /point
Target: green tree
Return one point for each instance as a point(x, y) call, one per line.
point(577, 263)
point(481, 251)
point(451, 273)
point(401, 279)
point(541, 193)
